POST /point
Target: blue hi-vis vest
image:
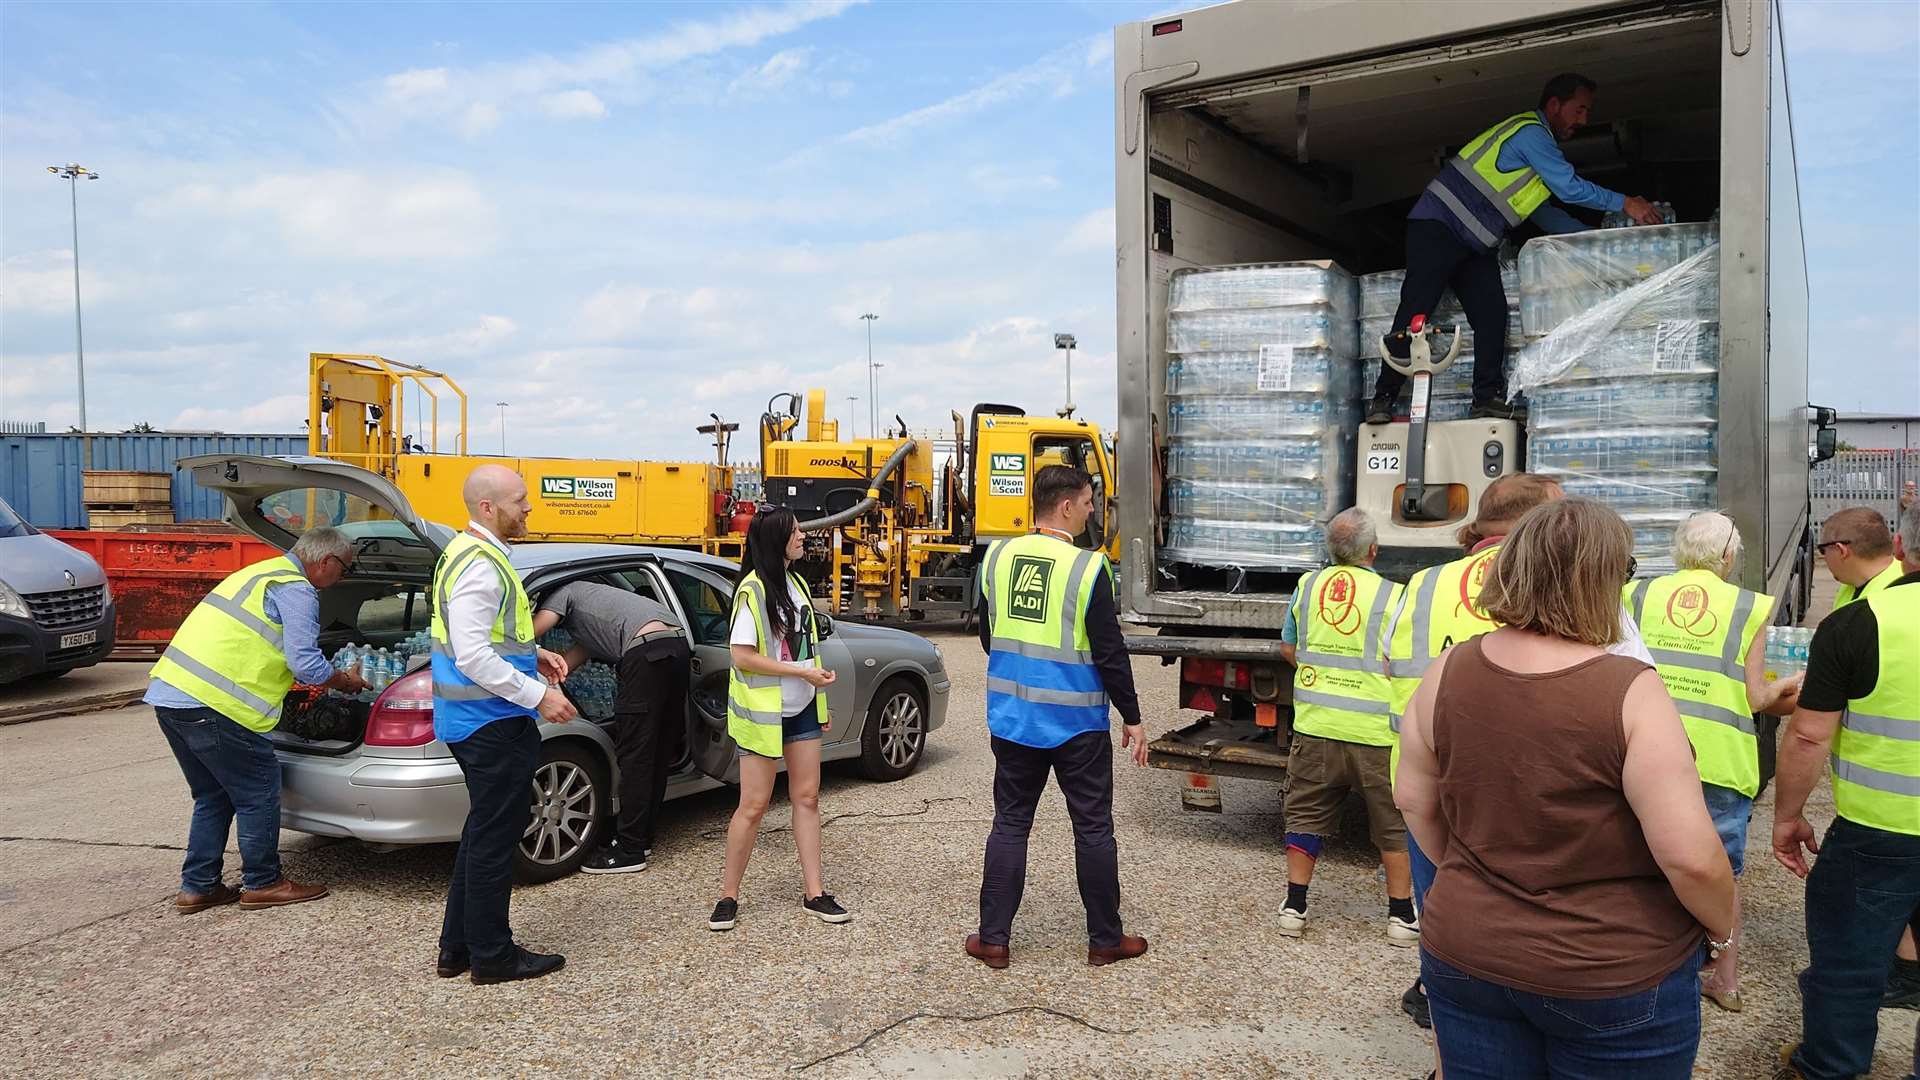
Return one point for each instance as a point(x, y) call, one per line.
point(1042, 685)
point(461, 706)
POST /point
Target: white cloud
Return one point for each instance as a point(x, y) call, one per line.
point(780, 70)
point(41, 283)
point(1093, 232)
point(994, 178)
point(573, 104)
point(1053, 75)
point(284, 412)
point(347, 214)
point(621, 311)
point(475, 100)
point(1863, 26)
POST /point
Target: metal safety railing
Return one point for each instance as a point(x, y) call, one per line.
point(1871, 478)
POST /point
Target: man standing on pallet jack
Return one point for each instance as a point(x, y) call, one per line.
point(1500, 179)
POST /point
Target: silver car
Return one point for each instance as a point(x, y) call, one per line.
point(394, 783)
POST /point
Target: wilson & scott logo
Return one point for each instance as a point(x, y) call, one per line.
point(1031, 577)
point(577, 488)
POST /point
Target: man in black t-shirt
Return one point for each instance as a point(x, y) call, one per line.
point(1859, 711)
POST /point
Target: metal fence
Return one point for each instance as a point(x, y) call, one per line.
point(40, 474)
point(1873, 478)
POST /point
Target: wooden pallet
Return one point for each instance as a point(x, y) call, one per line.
point(119, 517)
point(110, 488)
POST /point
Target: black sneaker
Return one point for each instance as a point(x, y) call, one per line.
point(1380, 411)
point(1903, 986)
point(1496, 410)
point(1414, 1004)
point(613, 860)
point(825, 908)
point(725, 914)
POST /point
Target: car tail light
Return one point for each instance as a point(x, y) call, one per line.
point(1222, 673)
point(403, 714)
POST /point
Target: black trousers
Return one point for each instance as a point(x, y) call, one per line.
point(1437, 260)
point(499, 762)
point(648, 725)
point(1083, 766)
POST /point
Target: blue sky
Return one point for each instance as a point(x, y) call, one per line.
point(619, 218)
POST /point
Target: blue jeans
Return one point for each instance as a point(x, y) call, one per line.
point(1730, 811)
point(1486, 1031)
point(1864, 887)
point(1423, 870)
point(232, 773)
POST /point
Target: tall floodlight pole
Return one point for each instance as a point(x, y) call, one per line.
point(503, 427)
point(850, 414)
point(1065, 341)
point(73, 174)
point(873, 404)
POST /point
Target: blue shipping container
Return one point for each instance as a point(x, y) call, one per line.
point(40, 474)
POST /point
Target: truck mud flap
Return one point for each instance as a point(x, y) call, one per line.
point(1222, 748)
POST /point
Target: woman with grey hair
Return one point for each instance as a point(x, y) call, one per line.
point(1707, 639)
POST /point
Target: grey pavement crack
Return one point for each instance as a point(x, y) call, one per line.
point(926, 807)
point(90, 843)
point(964, 1019)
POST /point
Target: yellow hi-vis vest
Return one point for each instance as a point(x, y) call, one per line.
point(1340, 688)
point(1699, 629)
point(228, 654)
point(460, 705)
point(1476, 171)
point(1876, 755)
point(1439, 608)
point(1847, 594)
point(753, 701)
point(1043, 687)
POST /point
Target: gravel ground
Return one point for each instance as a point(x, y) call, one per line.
point(114, 984)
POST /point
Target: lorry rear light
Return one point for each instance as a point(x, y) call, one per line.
point(403, 714)
point(1171, 26)
point(1222, 673)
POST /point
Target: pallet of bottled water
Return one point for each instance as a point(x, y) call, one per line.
point(1617, 452)
point(1266, 545)
point(1788, 648)
point(1645, 492)
point(1301, 459)
point(1667, 400)
point(1380, 295)
point(1653, 538)
point(1675, 347)
point(1564, 276)
point(1261, 390)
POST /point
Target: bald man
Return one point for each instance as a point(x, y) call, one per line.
point(489, 684)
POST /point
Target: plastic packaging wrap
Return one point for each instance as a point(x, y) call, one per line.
point(1247, 329)
point(1602, 403)
point(1239, 500)
point(1607, 453)
point(1301, 371)
point(1239, 543)
point(1581, 286)
point(1303, 459)
point(1262, 285)
point(1237, 416)
point(1654, 491)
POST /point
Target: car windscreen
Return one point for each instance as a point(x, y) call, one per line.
point(384, 545)
point(11, 524)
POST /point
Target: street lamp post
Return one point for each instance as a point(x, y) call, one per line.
point(503, 427)
point(1065, 341)
point(72, 174)
point(873, 403)
point(850, 402)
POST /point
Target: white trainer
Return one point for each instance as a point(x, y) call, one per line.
point(1403, 933)
point(1292, 922)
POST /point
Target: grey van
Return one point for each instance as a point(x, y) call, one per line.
point(56, 612)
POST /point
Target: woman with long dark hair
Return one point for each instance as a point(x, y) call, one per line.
point(775, 709)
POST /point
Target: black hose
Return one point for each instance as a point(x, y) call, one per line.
point(839, 518)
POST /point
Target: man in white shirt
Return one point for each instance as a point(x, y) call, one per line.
point(489, 681)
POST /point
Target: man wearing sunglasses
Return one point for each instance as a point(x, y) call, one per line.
point(218, 691)
point(1857, 547)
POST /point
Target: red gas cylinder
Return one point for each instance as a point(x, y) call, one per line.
point(743, 512)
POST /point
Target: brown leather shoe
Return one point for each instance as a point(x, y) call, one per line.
point(1128, 948)
point(994, 956)
point(187, 903)
point(282, 892)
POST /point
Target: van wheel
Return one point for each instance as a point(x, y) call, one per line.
point(570, 797)
point(895, 736)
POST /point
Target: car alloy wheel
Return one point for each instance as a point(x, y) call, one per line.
point(902, 727)
point(565, 806)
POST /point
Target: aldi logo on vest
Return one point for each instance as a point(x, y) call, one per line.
point(577, 488)
point(1031, 577)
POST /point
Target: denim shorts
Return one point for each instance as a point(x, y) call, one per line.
point(800, 727)
point(1730, 811)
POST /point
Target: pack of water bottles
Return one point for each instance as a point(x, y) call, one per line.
point(382, 666)
point(1450, 396)
point(1261, 411)
point(1623, 385)
point(1788, 648)
point(593, 688)
point(1380, 295)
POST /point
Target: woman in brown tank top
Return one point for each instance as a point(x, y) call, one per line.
point(1553, 785)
